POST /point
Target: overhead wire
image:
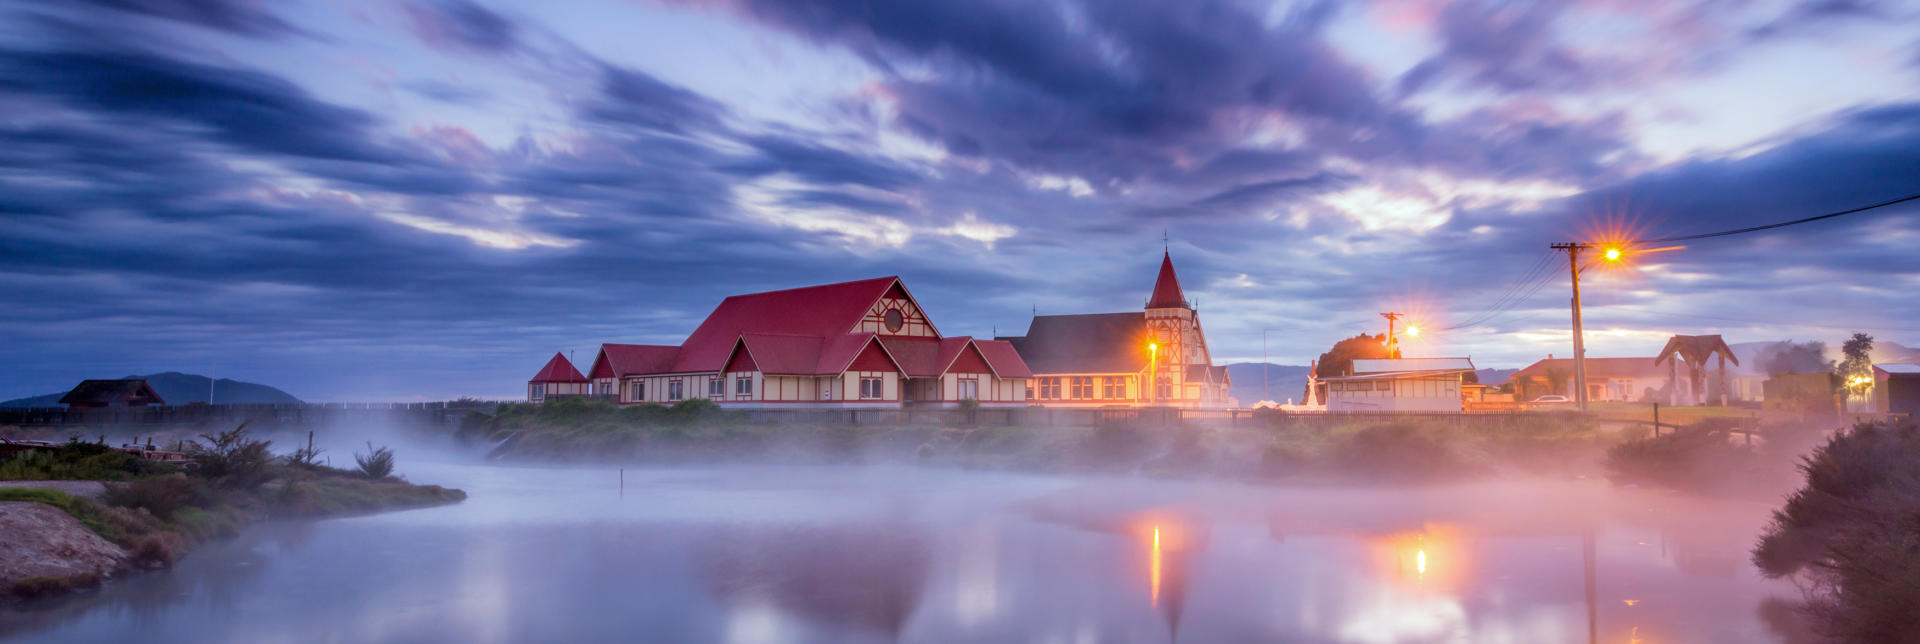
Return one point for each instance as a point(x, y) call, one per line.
point(1755, 229)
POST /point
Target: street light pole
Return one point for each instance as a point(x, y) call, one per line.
point(1393, 343)
point(1579, 334)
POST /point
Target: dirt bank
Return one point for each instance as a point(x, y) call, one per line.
point(46, 549)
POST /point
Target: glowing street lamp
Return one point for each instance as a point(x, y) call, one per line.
point(1153, 372)
point(1613, 254)
point(1413, 331)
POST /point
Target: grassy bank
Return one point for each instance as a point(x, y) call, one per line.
point(157, 512)
point(1264, 448)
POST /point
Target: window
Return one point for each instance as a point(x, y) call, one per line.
point(1384, 385)
point(639, 391)
point(1049, 388)
point(1164, 389)
point(717, 388)
point(1082, 387)
point(895, 320)
point(742, 386)
point(536, 392)
point(969, 388)
point(1113, 388)
point(675, 390)
point(872, 388)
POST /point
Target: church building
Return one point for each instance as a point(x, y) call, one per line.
point(851, 345)
point(1152, 358)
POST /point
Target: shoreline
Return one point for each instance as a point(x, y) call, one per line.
point(60, 542)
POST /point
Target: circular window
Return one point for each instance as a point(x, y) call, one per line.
point(895, 320)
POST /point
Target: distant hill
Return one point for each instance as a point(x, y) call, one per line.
point(183, 388)
point(1495, 376)
point(1290, 381)
point(1285, 381)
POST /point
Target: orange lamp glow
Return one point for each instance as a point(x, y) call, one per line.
point(1613, 254)
point(1413, 331)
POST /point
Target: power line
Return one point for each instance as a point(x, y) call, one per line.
point(1857, 327)
point(1752, 229)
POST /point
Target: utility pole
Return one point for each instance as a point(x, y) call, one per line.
point(1579, 334)
point(1266, 392)
point(1393, 343)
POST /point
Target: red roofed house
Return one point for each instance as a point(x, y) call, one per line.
point(855, 344)
point(1102, 359)
point(558, 378)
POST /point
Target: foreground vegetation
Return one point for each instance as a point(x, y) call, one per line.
point(1852, 534)
point(158, 512)
point(1265, 447)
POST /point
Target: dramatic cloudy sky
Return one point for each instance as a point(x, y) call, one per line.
point(399, 200)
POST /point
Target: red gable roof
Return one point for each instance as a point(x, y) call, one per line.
point(558, 370)
point(619, 360)
point(1166, 289)
point(801, 355)
point(1005, 361)
point(827, 312)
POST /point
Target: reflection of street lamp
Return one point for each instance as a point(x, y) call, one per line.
point(1153, 370)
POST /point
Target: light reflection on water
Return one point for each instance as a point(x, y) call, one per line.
point(880, 554)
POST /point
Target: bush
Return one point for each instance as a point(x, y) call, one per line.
point(162, 497)
point(78, 461)
point(1396, 451)
point(231, 459)
point(1854, 530)
point(377, 463)
point(1698, 458)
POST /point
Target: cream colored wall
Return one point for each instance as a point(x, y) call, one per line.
point(917, 323)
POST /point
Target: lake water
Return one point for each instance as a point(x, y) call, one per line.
point(883, 554)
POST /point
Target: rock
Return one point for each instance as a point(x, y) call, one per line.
point(43, 541)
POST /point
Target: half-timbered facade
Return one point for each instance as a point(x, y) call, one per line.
point(859, 344)
point(1157, 357)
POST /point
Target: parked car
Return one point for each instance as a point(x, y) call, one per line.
point(1551, 399)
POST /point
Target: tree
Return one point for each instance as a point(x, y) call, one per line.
point(1790, 357)
point(1856, 368)
point(1557, 380)
point(1338, 361)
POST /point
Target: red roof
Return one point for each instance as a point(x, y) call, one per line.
point(824, 311)
point(558, 370)
point(1597, 368)
point(1166, 289)
point(1002, 357)
point(618, 360)
point(801, 355)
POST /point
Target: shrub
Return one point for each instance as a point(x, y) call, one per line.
point(78, 461)
point(160, 496)
point(232, 459)
point(377, 463)
point(1396, 451)
point(1854, 530)
point(1698, 458)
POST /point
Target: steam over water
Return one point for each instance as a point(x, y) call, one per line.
point(882, 554)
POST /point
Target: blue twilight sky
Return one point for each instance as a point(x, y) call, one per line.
point(399, 200)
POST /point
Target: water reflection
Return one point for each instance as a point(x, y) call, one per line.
point(798, 555)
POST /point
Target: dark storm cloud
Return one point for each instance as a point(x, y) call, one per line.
point(1129, 90)
point(245, 17)
point(461, 25)
point(1503, 45)
point(632, 98)
point(241, 108)
point(820, 164)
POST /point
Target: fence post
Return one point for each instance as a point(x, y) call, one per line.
point(1656, 419)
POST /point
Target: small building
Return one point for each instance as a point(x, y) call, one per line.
point(558, 378)
point(1399, 385)
point(1156, 357)
point(111, 394)
point(1896, 389)
point(1608, 380)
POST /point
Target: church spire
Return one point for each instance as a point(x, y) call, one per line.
point(1166, 289)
